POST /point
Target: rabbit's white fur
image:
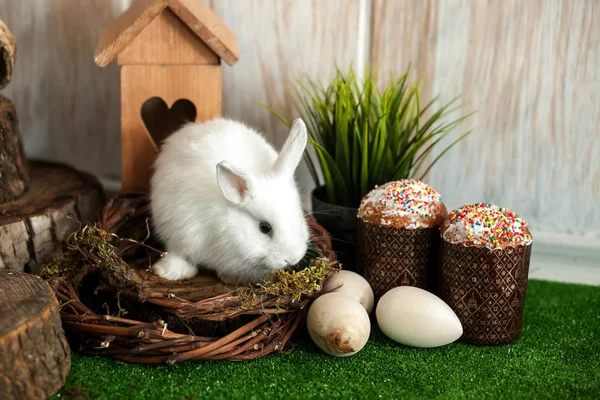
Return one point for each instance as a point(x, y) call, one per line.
point(214, 182)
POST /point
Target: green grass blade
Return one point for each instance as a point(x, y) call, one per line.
point(312, 169)
point(277, 115)
point(337, 192)
point(354, 182)
point(423, 156)
point(364, 170)
point(364, 136)
point(444, 152)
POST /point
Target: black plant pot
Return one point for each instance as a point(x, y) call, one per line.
point(340, 222)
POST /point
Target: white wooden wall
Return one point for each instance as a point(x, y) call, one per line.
point(68, 107)
point(530, 68)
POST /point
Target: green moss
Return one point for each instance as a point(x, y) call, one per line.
point(558, 356)
point(294, 284)
point(89, 247)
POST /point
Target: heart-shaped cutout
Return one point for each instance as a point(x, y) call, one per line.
point(161, 121)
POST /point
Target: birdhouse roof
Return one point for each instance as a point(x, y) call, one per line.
point(205, 24)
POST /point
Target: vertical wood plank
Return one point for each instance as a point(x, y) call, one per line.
point(281, 40)
point(403, 34)
point(532, 70)
point(68, 107)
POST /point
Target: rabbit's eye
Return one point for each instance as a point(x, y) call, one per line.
point(265, 228)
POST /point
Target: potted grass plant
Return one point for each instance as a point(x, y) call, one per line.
point(364, 137)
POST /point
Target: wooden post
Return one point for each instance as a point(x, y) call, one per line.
point(14, 171)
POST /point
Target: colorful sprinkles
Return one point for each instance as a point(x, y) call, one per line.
point(401, 198)
point(487, 224)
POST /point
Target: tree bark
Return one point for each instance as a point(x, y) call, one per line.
point(33, 226)
point(8, 51)
point(14, 172)
point(35, 355)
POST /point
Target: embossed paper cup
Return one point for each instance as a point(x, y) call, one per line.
point(486, 288)
point(485, 255)
point(397, 235)
point(391, 257)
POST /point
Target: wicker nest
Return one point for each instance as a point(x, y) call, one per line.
point(112, 305)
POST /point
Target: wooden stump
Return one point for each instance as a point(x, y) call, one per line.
point(32, 227)
point(35, 355)
point(14, 172)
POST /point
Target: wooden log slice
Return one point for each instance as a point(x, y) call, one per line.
point(32, 227)
point(14, 172)
point(35, 355)
point(8, 51)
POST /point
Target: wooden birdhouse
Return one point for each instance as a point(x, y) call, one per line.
point(170, 53)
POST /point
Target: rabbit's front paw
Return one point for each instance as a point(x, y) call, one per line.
point(174, 268)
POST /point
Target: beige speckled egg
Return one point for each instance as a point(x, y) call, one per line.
point(352, 285)
point(415, 317)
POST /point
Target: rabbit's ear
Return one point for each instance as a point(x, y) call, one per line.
point(234, 184)
point(293, 149)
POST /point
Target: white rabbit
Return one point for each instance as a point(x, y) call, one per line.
point(222, 198)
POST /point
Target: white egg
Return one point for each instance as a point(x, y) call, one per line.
point(339, 325)
point(352, 285)
point(415, 317)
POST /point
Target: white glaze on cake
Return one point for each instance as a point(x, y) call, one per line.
point(408, 203)
point(486, 225)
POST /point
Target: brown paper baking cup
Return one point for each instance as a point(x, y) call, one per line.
point(486, 289)
point(391, 257)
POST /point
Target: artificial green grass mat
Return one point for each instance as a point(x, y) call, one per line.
point(557, 356)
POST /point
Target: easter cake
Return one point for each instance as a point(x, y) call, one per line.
point(407, 203)
point(486, 225)
point(398, 234)
point(485, 254)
